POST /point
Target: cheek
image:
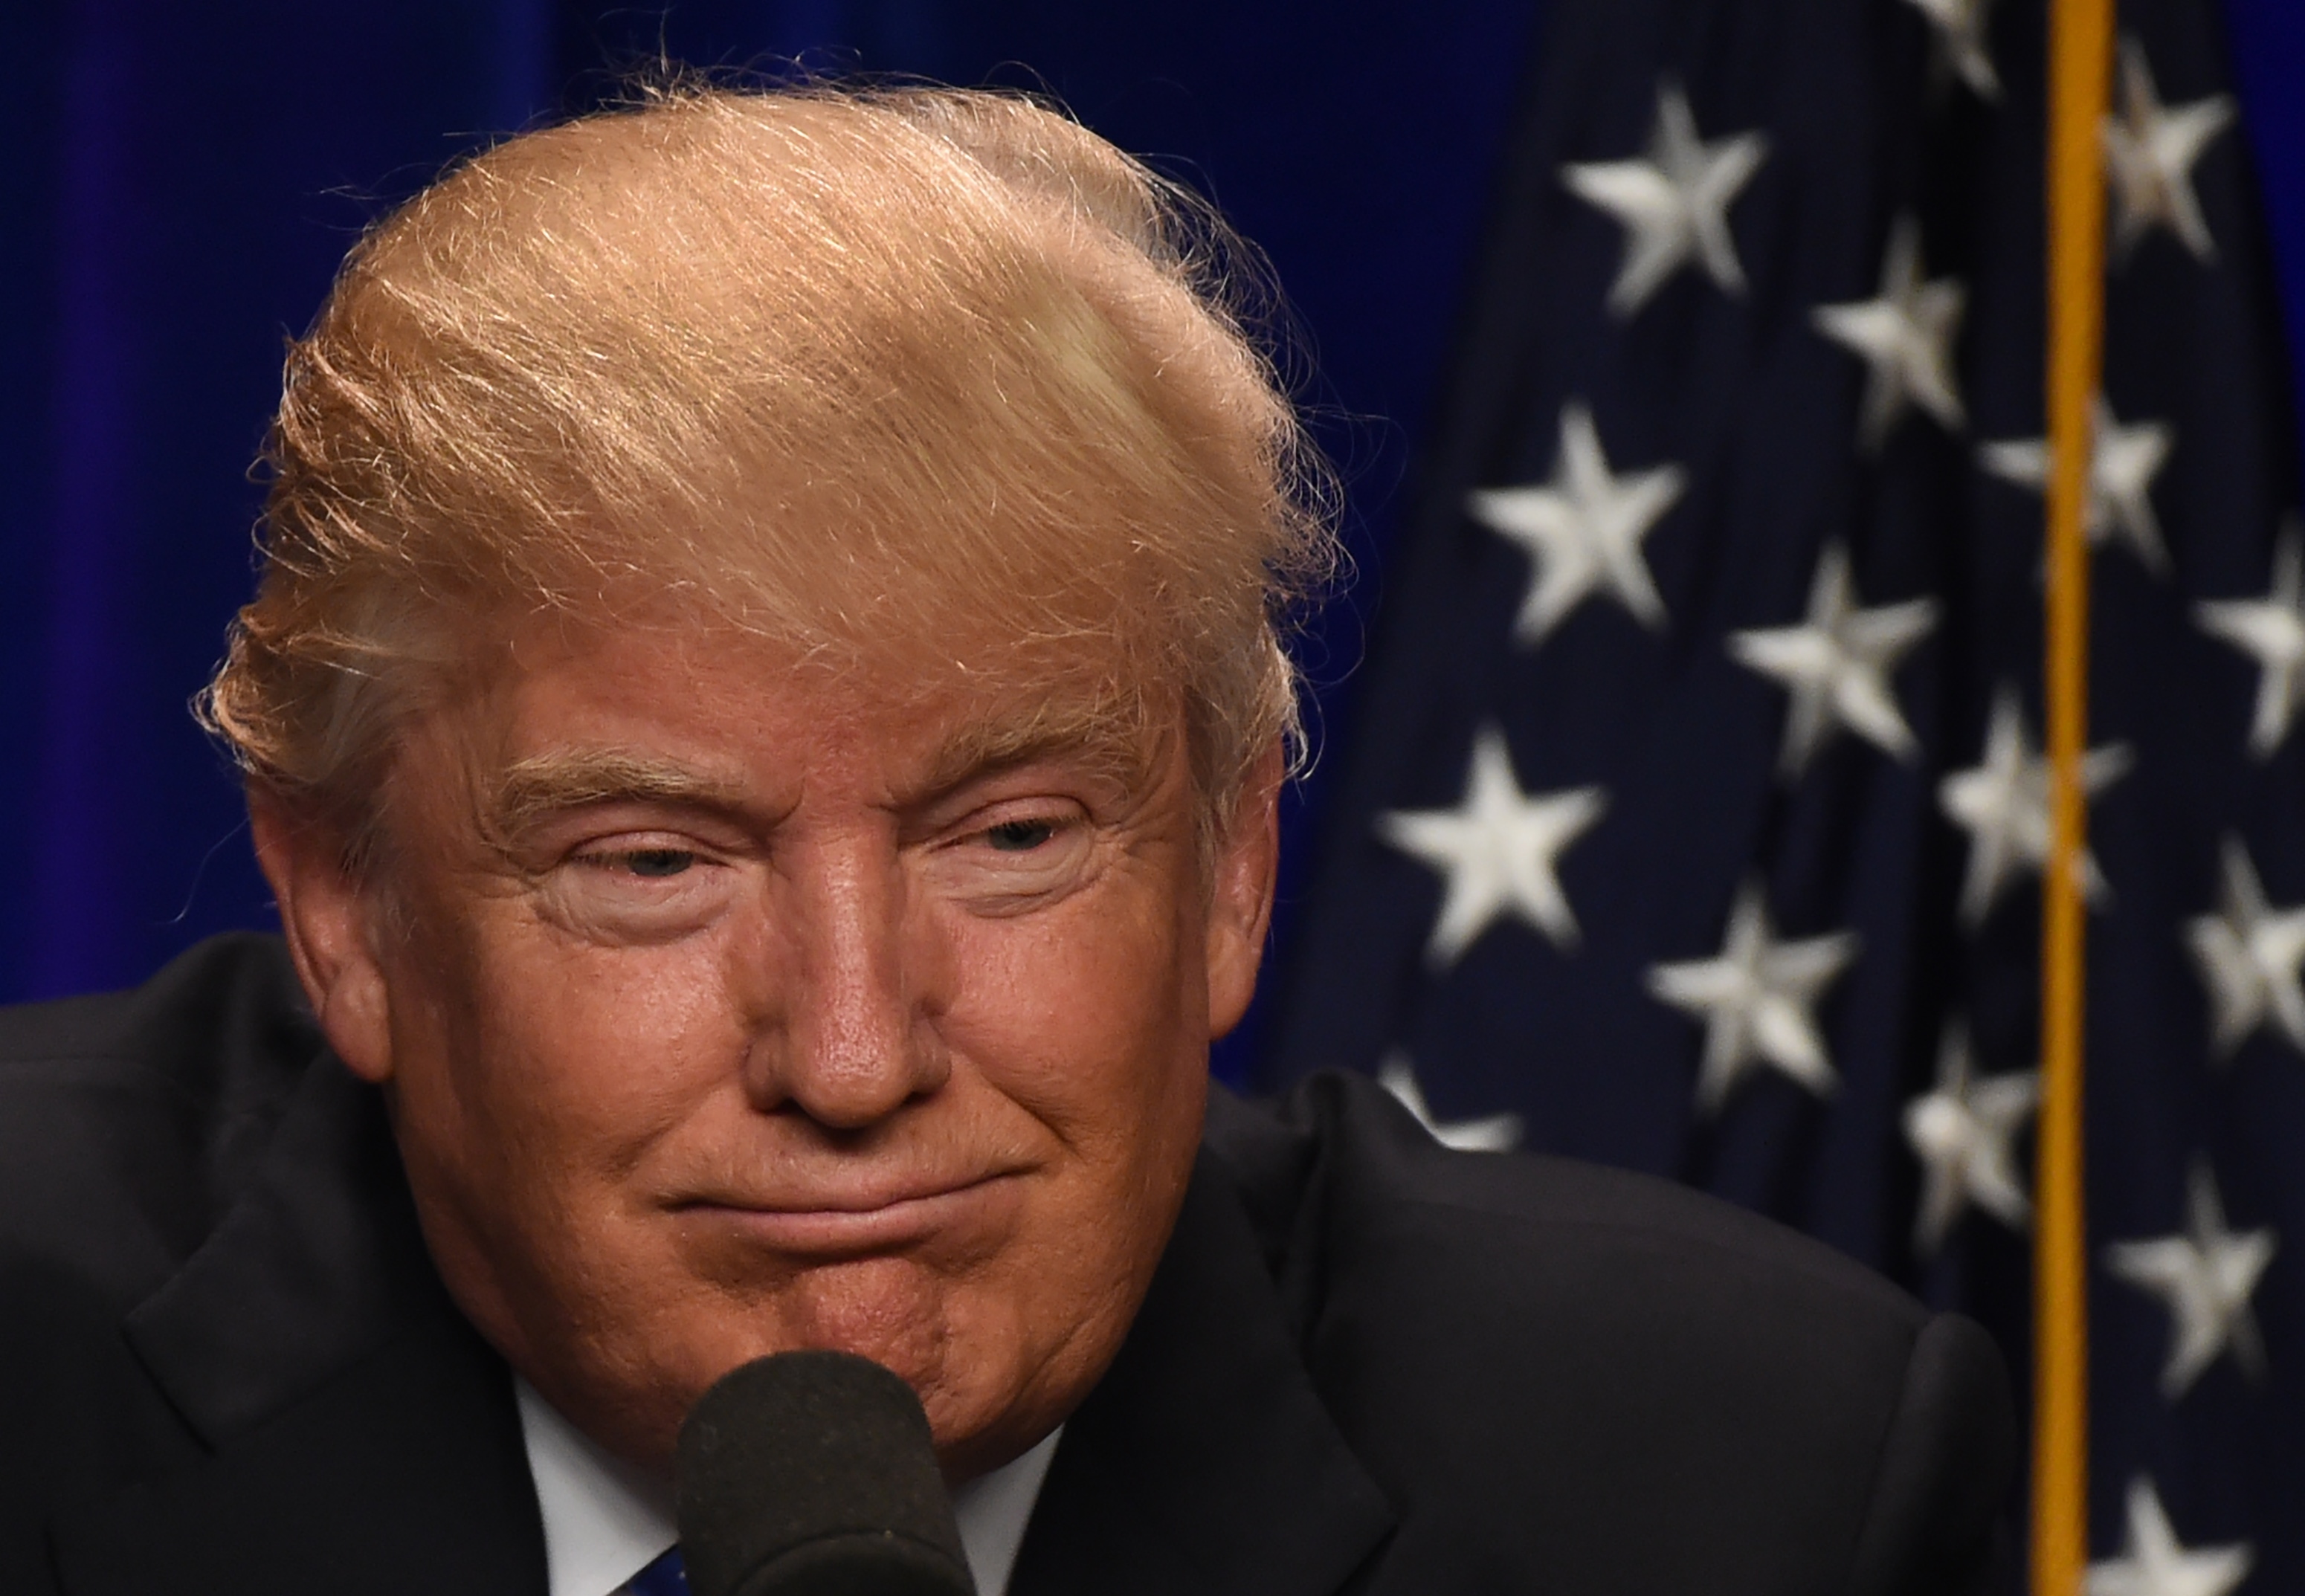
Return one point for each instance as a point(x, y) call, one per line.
point(549, 1068)
point(1094, 1021)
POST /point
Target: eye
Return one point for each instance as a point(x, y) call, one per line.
point(640, 888)
point(653, 864)
point(1013, 856)
point(1019, 836)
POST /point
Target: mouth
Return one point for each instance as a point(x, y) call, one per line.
point(841, 1224)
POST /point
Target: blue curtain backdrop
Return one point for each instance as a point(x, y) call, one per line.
point(180, 181)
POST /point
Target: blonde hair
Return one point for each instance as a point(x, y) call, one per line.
point(849, 367)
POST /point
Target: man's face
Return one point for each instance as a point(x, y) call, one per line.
point(728, 1004)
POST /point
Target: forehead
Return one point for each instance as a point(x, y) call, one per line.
point(567, 710)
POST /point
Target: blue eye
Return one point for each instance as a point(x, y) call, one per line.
point(1020, 836)
point(656, 863)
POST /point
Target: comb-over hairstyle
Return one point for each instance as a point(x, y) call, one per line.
point(857, 368)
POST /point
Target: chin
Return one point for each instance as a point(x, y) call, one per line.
point(988, 1388)
point(903, 1317)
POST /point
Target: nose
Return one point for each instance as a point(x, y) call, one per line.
point(856, 1042)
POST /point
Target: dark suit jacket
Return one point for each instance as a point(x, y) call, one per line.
point(1366, 1363)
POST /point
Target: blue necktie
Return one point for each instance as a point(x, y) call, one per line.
point(663, 1577)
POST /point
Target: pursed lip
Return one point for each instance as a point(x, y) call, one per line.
point(854, 1221)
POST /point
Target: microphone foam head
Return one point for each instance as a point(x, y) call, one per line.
point(811, 1473)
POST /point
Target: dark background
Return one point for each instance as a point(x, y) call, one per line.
point(179, 180)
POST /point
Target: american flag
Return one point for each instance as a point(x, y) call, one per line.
point(1693, 810)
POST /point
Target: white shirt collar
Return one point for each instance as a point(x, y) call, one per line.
point(605, 1521)
point(992, 1510)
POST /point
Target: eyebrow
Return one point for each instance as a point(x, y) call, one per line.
point(545, 785)
point(1112, 746)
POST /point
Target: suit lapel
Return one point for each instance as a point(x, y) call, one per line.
point(1205, 1461)
point(317, 1264)
point(364, 1438)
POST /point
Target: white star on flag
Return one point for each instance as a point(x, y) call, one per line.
point(2155, 1563)
point(1492, 1133)
point(2123, 463)
point(2003, 803)
point(1960, 26)
point(1964, 1133)
point(2149, 152)
point(2205, 1278)
point(1582, 530)
point(1674, 205)
point(1498, 851)
point(2249, 955)
point(1905, 336)
point(1756, 998)
point(1837, 663)
point(2272, 631)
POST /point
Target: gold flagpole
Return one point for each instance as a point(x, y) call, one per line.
point(2080, 61)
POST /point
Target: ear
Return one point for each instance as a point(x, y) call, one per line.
point(1240, 898)
point(331, 920)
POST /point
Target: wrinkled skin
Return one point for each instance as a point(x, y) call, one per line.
point(726, 1005)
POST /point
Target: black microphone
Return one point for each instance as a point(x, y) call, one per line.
point(811, 1473)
